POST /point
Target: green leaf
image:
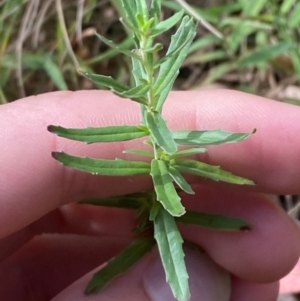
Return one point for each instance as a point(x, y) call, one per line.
point(164, 188)
point(138, 71)
point(160, 132)
point(163, 95)
point(136, 92)
point(208, 171)
point(254, 7)
point(294, 18)
point(213, 137)
point(237, 36)
point(106, 81)
point(255, 24)
point(117, 167)
point(142, 8)
point(138, 152)
point(139, 76)
point(169, 242)
point(118, 48)
point(180, 180)
point(130, 9)
point(166, 24)
point(287, 5)
point(171, 55)
point(127, 201)
point(265, 54)
point(155, 10)
point(147, 25)
point(168, 71)
point(189, 152)
point(119, 264)
point(116, 202)
point(156, 207)
point(55, 74)
point(103, 134)
point(155, 48)
point(214, 221)
point(206, 40)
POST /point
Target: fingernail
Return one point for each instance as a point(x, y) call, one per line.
point(207, 281)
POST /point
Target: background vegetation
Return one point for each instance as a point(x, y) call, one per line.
point(246, 45)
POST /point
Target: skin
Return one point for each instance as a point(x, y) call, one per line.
point(49, 246)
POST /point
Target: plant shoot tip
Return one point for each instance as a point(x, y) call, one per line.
point(50, 128)
point(55, 155)
point(246, 228)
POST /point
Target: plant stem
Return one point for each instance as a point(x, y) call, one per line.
point(146, 42)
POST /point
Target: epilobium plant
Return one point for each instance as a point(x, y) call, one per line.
point(160, 209)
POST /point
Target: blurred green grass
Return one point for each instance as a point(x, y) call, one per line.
point(246, 45)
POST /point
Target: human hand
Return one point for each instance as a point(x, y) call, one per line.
point(35, 190)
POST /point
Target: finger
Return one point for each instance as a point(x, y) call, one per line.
point(74, 219)
point(146, 281)
point(49, 263)
point(249, 291)
point(30, 171)
point(264, 254)
point(291, 283)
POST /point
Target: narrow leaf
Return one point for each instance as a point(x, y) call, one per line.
point(287, 5)
point(138, 152)
point(160, 132)
point(171, 55)
point(119, 264)
point(139, 76)
point(153, 49)
point(189, 152)
point(106, 81)
point(213, 137)
point(116, 202)
point(117, 167)
point(138, 71)
point(136, 92)
point(127, 201)
point(206, 40)
point(142, 8)
point(214, 221)
point(130, 9)
point(208, 171)
point(102, 134)
point(163, 95)
point(118, 88)
point(155, 10)
point(166, 24)
point(156, 207)
point(168, 71)
point(118, 48)
point(164, 188)
point(169, 242)
point(180, 180)
point(294, 18)
point(253, 8)
point(55, 74)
